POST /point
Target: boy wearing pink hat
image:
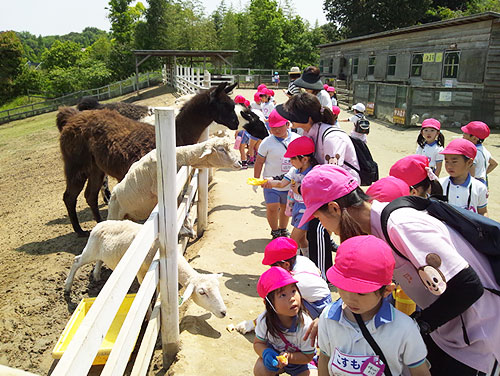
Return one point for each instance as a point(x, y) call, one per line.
point(280, 330)
point(430, 143)
point(267, 102)
point(388, 189)
point(271, 157)
point(301, 154)
point(460, 187)
point(362, 274)
point(476, 132)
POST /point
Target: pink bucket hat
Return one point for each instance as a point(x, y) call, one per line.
point(477, 128)
point(261, 86)
point(279, 249)
point(256, 97)
point(431, 123)
point(411, 169)
point(300, 146)
point(273, 279)
point(363, 264)
point(388, 189)
point(336, 110)
point(239, 99)
point(461, 146)
point(324, 183)
point(276, 120)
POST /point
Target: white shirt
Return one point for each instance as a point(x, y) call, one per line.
point(312, 287)
point(297, 176)
point(324, 99)
point(431, 151)
point(255, 106)
point(294, 335)
point(426, 240)
point(274, 150)
point(396, 334)
point(363, 137)
point(267, 108)
point(334, 101)
point(481, 162)
point(470, 195)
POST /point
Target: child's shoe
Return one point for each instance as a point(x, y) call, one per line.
point(251, 161)
point(244, 165)
point(284, 232)
point(276, 233)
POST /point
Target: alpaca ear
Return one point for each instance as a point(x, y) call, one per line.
point(206, 151)
point(187, 293)
point(230, 88)
point(247, 115)
point(218, 90)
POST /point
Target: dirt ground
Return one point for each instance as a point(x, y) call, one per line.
point(37, 247)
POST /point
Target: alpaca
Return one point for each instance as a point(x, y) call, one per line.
point(256, 123)
point(132, 111)
point(98, 142)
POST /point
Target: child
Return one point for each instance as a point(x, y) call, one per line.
point(430, 143)
point(414, 170)
point(256, 104)
point(276, 79)
point(301, 154)
point(241, 144)
point(460, 187)
point(362, 274)
point(281, 327)
point(476, 132)
point(272, 153)
point(359, 110)
point(332, 93)
point(388, 189)
point(266, 105)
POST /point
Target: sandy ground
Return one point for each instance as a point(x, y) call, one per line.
point(37, 247)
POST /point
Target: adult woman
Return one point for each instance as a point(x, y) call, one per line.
point(332, 145)
point(460, 316)
point(311, 82)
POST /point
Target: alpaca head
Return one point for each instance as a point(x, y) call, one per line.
point(221, 106)
point(255, 125)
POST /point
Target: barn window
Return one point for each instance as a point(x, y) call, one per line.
point(371, 65)
point(391, 65)
point(417, 61)
point(355, 63)
point(321, 66)
point(450, 65)
point(331, 65)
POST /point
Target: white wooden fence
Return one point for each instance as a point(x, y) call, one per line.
point(159, 234)
point(188, 80)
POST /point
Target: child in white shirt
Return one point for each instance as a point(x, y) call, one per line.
point(359, 110)
point(430, 143)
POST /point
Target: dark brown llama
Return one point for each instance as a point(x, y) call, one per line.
point(95, 143)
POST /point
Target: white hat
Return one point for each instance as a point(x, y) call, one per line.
point(360, 107)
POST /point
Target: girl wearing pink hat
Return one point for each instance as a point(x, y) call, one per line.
point(440, 271)
point(430, 143)
point(301, 154)
point(362, 274)
point(280, 329)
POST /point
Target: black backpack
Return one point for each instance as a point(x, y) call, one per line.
point(362, 125)
point(481, 232)
point(368, 168)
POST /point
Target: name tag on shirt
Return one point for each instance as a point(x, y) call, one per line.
point(286, 164)
point(344, 364)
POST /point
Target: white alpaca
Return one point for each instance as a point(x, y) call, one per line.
point(108, 242)
point(136, 195)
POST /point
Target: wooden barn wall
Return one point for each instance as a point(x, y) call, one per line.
point(492, 74)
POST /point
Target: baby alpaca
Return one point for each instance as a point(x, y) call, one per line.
point(108, 242)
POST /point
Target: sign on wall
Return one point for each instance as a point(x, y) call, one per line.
point(445, 96)
point(370, 108)
point(429, 57)
point(399, 116)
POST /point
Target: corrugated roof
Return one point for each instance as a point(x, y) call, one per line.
point(411, 29)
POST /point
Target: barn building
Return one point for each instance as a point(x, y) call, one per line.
point(449, 70)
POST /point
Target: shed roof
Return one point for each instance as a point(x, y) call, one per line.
point(186, 53)
point(411, 29)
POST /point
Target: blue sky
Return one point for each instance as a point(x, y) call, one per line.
point(58, 17)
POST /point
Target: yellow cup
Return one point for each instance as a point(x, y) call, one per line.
point(403, 302)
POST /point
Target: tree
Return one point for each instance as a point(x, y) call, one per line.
point(155, 36)
point(62, 55)
point(11, 53)
point(357, 18)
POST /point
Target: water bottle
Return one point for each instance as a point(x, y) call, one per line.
point(237, 143)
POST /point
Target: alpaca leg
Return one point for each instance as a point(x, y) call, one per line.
point(77, 263)
point(94, 185)
point(74, 185)
point(97, 270)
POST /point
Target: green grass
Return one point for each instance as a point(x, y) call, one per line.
point(20, 101)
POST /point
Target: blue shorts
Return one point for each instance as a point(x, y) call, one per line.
point(297, 212)
point(317, 307)
point(244, 138)
point(272, 196)
point(297, 369)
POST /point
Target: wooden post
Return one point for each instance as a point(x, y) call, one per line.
point(136, 76)
point(206, 80)
point(167, 217)
point(202, 206)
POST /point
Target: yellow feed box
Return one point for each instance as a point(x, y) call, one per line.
point(77, 318)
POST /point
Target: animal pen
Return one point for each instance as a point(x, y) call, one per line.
point(159, 234)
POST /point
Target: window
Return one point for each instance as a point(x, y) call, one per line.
point(417, 61)
point(391, 65)
point(355, 63)
point(331, 65)
point(450, 66)
point(371, 65)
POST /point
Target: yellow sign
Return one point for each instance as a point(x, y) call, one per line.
point(370, 108)
point(429, 57)
point(439, 57)
point(399, 116)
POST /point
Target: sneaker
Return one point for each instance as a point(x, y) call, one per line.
point(275, 233)
point(244, 165)
point(284, 232)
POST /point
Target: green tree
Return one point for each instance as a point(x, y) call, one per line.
point(62, 55)
point(100, 50)
point(11, 52)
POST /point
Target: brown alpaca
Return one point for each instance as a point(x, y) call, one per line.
point(98, 142)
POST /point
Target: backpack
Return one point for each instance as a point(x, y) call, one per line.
point(362, 125)
point(479, 231)
point(368, 168)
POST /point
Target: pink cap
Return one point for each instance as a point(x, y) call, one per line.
point(276, 120)
point(239, 99)
point(271, 92)
point(279, 249)
point(336, 110)
point(431, 123)
point(325, 86)
point(324, 183)
point(330, 88)
point(300, 146)
point(261, 86)
point(256, 97)
point(247, 103)
point(461, 146)
point(273, 279)
point(388, 189)
point(363, 264)
point(410, 169)
point(477, 128)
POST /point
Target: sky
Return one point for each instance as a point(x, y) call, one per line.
point(59, 17)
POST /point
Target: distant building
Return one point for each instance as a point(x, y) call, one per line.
point(447, 69)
